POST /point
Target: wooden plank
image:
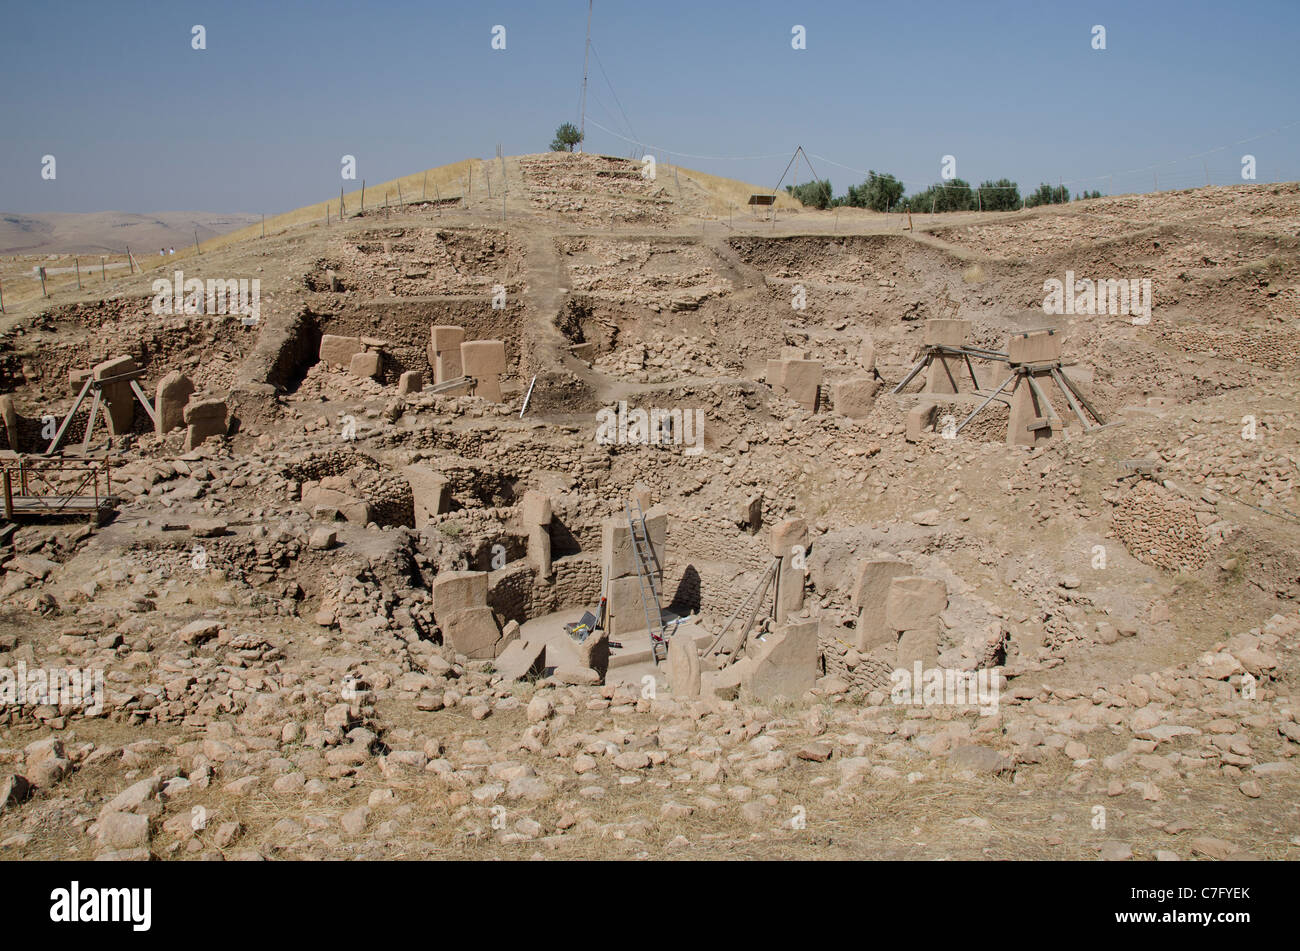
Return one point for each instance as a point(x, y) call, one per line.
point(58, 437)
point(1069, 398)
point(1042, 396)
point(1082, 399)
point(144, 401)
point(90, 423)
point(54, 503)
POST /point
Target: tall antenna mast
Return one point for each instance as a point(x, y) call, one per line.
point(582, 121)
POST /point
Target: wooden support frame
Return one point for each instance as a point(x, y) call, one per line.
point(933, 350)
point(133, 378)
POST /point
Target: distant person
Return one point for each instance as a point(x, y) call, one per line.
point(172, 251)
point(162, 252)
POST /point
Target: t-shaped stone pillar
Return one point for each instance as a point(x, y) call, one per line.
point(119, 399)
point(620, 580)
point(944, 370)
point(912, 608)
point(485, 361)
point(174, 391)
point(444, 352)
point(461, 610)
point(10, 415)
point(798, 379)
point(1032, 354)
point(535, 513)
point(430, 493)
point(869, 596)
point(204, 418)
point(337, 351)
point(790, 544)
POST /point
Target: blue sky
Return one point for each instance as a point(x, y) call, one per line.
point(138, 121)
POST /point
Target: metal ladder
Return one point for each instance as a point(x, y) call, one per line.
point(645, 573)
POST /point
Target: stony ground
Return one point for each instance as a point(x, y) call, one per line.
point(276, 683)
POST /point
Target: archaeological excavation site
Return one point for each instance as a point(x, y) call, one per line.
point(537, 507)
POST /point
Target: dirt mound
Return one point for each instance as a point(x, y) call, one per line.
point(329, 601)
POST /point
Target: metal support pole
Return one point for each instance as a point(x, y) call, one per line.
point(90, 423)
point(528, 397)
point(1038, 392)
point(990, 399)
point(920, 365)
point(1082, 399)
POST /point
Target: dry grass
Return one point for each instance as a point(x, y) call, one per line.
point(728, 194)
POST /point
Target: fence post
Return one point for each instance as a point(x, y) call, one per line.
point(77, 262)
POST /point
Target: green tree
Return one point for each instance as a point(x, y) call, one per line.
point(566, 137)
point(879, 192)
point(814, 194)
point(1002, 195)
point(955, 195)
point(1047, 195)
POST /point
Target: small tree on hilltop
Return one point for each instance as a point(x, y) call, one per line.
point(566, 137)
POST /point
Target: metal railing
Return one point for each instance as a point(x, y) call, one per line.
point(39, 486)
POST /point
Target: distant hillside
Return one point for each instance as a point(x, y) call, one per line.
point(103, 232)
point(110, 232)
